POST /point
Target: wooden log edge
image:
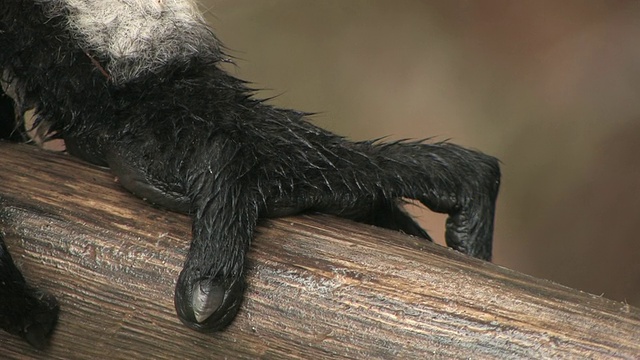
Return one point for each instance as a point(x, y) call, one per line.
point(318, 287)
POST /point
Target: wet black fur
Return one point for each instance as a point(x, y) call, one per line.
point(192, 138)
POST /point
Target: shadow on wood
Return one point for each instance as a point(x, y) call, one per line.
point(318, 287)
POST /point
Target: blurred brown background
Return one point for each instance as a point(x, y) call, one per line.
point(551, 88)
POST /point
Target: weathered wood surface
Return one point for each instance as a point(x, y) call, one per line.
point(319, 287)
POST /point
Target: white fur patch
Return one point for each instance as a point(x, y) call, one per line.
point(136, 35)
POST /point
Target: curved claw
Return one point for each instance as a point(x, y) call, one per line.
point(207, 304)
point(205, 300)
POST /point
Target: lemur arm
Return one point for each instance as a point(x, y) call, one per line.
point(137, 85)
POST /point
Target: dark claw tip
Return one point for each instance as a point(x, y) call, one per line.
point(37, 336)
point(205, 300)
point(207, 304)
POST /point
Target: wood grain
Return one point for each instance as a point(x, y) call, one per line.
point(318, 287)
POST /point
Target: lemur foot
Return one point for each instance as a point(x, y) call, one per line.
point(33, 318)
point(38, 327)
point(24, 311)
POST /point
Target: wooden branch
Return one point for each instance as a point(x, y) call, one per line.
point(319, 287)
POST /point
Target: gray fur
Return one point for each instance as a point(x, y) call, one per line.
point(136, 36)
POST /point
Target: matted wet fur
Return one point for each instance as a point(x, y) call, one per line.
point(136, 85)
